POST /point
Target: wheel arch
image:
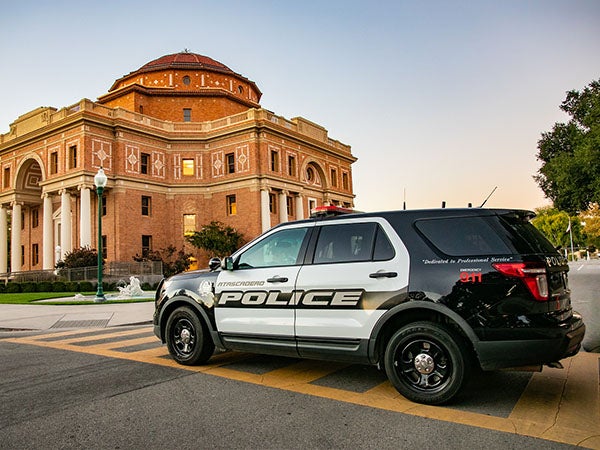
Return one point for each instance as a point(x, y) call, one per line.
point(407, 313)
point(175, 302)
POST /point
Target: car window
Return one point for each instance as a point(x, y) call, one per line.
point(384, 250)
point(279, 249)
point(345, 243)
point(462, 236)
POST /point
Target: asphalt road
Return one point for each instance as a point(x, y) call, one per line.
point(55, 398)
point(584, 281)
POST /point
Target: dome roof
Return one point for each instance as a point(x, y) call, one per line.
point(184, 60)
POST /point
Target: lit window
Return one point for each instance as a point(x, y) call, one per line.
point(231, 205)
point(189, 224)
point(188, 167)
point(187, 114)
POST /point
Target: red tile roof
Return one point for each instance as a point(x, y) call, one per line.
point(184, 60)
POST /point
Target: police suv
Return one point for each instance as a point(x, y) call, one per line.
point(425, 294)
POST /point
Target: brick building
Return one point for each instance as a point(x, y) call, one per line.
point(183, 141)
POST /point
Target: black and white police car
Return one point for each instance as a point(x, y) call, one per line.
point(426, 294)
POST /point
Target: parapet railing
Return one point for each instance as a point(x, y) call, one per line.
point(46, 116)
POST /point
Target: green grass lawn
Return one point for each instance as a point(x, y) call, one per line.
point(32, 297)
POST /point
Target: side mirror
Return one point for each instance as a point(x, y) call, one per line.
point(227, 263)
point(214, 264)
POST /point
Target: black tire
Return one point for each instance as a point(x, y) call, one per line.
point(187, 338)
point(427, 363)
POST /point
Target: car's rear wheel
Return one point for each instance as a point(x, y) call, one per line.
point(426, 362)
point(187, 337)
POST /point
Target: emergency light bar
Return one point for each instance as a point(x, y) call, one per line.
point(330, 210)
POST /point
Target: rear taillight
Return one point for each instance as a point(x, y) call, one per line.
point(533, 275)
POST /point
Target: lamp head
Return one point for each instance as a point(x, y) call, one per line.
point(100, 178)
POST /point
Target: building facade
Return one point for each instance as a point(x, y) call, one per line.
point(183, 141)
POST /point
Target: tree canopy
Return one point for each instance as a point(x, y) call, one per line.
point(570, 153)
point(217, 239)
point(554, 224)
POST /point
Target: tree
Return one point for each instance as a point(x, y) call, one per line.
point(217, 239)
point(591, 227)
point(570, 153)
point(173, 260)
point(79, 257)
point(554, 224)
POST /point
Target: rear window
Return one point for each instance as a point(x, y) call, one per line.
point(524, 236)
point(459, 236)
point(491, 235)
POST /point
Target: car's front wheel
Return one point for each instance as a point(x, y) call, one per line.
point(426, 362)
point(187, 338)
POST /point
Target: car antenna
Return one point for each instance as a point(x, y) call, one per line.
point(488, 197)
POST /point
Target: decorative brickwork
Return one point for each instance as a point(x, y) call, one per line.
point(139, 135)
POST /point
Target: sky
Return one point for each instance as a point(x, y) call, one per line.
point(439, 100)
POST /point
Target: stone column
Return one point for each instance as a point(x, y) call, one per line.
point(265, 214)
point(15, 247)
point(85, 219)
point(283, 213)
point(48, 234)
point(299, 208)
point(3, 240)
point(65, 223)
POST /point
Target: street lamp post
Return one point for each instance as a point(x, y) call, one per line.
point(100, 182)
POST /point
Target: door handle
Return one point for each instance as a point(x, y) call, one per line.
point(277, 279)
point(383, 275)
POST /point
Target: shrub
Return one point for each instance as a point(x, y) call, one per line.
point(72, 286)
point(28, 287)
point(13, 288)
point(44, 286)
point(86, 286)
point(79, 257)
point(59, 286)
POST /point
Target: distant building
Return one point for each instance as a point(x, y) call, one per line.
point(183, 141)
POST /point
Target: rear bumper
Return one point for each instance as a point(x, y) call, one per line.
point(565, 342)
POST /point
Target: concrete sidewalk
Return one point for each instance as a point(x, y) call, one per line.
point(44, 317)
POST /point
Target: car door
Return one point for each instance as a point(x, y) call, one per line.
point(255, 300)
point(357, 269)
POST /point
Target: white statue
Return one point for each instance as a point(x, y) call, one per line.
point(133, 289)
